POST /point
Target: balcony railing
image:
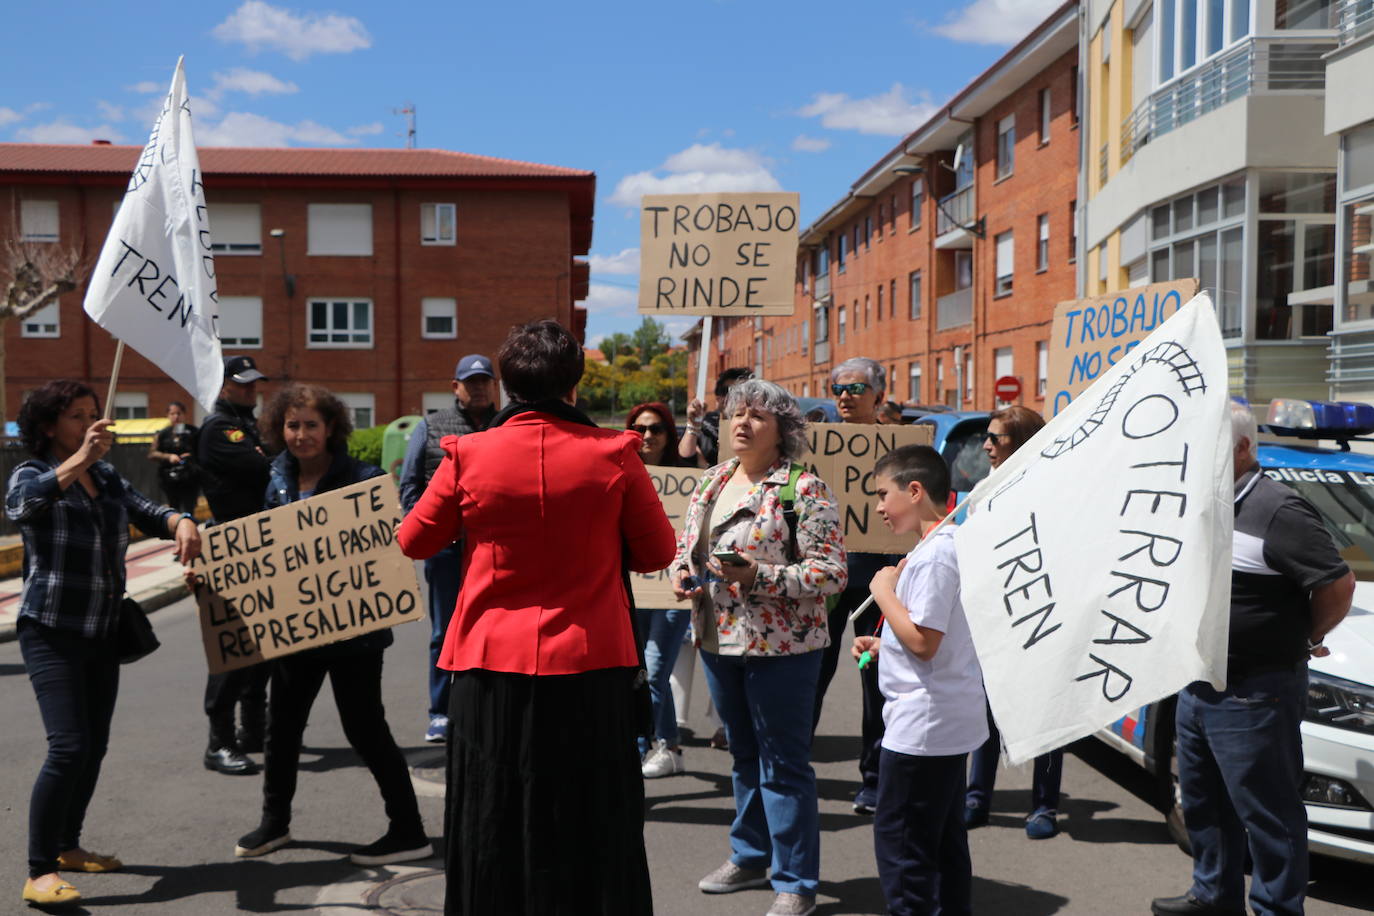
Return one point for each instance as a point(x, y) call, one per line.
point(1257, 65)
point(955, 211)
point(1355, 19)
point(1103, 157)
point(821, 287)
point(822, 349)
point(954, 310)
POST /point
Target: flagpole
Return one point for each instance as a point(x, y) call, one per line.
point(114, 380)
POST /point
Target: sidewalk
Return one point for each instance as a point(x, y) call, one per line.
point(154, 581)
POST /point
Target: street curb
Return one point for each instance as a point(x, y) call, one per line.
point(152, 599)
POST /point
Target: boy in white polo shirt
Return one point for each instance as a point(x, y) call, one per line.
point(933, 688)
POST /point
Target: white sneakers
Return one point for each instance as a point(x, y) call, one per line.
point(661, 761)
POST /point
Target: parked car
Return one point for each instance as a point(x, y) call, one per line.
point(819, 410)
point(959, 439)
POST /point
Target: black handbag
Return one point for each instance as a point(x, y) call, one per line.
point(135, 633)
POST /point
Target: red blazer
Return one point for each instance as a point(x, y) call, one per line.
point(545, 508)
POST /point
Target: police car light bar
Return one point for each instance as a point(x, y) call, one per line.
point(1340, 420)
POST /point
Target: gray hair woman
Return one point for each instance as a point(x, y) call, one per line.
point(859, 385)
point(758, 576)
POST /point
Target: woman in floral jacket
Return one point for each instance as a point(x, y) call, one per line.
point(760, 625)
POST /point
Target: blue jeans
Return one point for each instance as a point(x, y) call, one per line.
point(1239, 774)
point(76, 681)
point(919, 838)
point(443, 575)
point(766, 704)
point(1047, 771)
point(662, 632)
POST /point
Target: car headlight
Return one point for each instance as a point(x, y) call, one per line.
point(1340, 703)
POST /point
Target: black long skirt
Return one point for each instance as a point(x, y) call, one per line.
point(545, 810)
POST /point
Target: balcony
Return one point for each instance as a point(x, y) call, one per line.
point(821, 286)
point(1355, 19)
point(954, 310)
point(1254, 66)
point(822, 350)
point(956, 211)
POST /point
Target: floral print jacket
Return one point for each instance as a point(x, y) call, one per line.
point(784, 612)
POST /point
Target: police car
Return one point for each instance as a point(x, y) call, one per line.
point(1338, 727)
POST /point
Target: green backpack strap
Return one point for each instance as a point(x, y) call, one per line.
point(787, 498)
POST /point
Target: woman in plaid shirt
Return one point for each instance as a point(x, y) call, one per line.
point(73, 511)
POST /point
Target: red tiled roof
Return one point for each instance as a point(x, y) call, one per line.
point(225, 160)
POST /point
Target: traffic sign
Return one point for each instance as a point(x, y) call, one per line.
point(1007, 388)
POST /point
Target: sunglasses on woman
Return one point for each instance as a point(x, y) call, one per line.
point(653, 429)
point(854, 388)
point(993, 437)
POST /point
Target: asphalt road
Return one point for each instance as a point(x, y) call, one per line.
point(175, 823)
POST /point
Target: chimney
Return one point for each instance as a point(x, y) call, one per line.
point(100, 143)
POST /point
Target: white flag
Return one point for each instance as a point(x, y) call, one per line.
point(1096, 564)
point(154, 285)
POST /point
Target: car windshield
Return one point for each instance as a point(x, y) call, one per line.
point(1345, 501)
point(968, 462)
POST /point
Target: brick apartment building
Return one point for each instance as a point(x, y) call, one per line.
point(369, 271)
point(947, 273)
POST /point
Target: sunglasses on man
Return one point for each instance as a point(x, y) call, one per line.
point(854, 388)
point(652, 429)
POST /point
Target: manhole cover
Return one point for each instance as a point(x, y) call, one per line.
point(410, 895)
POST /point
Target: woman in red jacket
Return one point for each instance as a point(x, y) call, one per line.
point(545, 799)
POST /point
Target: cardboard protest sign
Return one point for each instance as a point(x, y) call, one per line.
point(1089, 336)
point(307, 574)
point(675, 487)
point(717, 254)
point(1096, 561)
point(154, 285)
point(843, 455)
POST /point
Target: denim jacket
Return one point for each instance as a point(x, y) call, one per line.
point(784, 611)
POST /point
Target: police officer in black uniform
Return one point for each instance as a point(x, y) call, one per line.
point(234, 469)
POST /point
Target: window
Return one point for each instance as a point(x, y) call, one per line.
point(892, 215)
point(821, 313)
point(1042, 366)
point(131, 405)
point(38, 221)
point(867, 320)
point(437, 224)
point(240, 321)
point(914, 381)
point(968, 376)
point(918, 196)
point(363, 407)
point(839, 334)
point(1002, 363)
point(1004, 264)
point(1073, 100)
point(1042, 246)
point(236, 228)
point(43, 323)
point(1308, 14)
point(880, 222)
point(439, 318)
point(840, 251)
point(892, 299)
point(340, 229)
point(914, 281)
point(436, 400)
point(805, 336)
point(1006, 146)
point(1073, 231)
point(1192, 236)
point(868, 229)
point(963, 269)
point(1166, 40)
point(344, 323)
point(880, 302)
point(857, 236)
point(1044, 116)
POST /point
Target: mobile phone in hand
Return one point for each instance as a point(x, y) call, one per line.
point(729, 556)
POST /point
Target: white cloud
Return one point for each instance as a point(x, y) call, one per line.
point(805, 144)
point(253, 82)
point(602, 298)
point(890, 113)
point(258, 25)
point(110, 112)
point(995, 22)
point(626, 262)
point(240, 128)
point(366, 130)
point(676, 327)
point(147, 87)
point(60, 131)
point(699, 169)
point(9, 116)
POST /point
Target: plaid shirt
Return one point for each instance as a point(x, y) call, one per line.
point(74, 544)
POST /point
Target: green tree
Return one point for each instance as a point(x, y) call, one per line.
point(650, 339)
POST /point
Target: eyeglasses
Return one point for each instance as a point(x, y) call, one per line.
point(653, 429)
point(993, 437)
point(854, 388)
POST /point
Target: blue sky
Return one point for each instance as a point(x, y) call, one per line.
point(692, 95)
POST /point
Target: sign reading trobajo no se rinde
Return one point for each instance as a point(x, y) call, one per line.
point(717, 254)
point(307, 574)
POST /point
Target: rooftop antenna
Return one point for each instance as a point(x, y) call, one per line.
point(409, 112)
